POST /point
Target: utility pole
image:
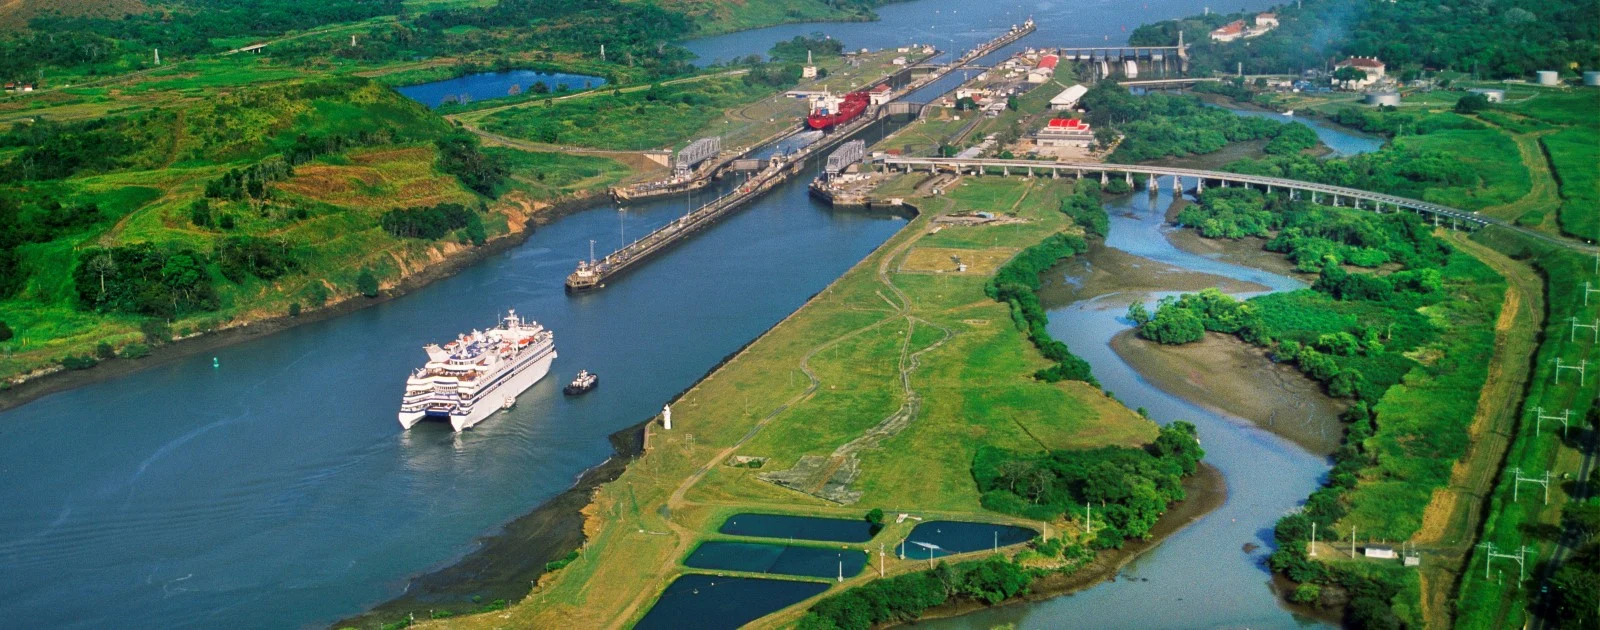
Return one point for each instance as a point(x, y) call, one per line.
point(1519, 480)
point(1565, 415)
point(1582, 367)
point(880, 559)
point(1595, 327)
point(1313, 539)
point(1587, 289)
point(1088, 518)
point(1352, 542)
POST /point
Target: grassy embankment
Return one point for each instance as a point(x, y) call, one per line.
point(901, 325)
point(1498, 602)
point(1502, 163)
point(156, 169)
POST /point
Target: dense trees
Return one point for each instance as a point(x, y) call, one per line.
point(905, 597)
point(251, 181)
point(264, 258)
point(1492, 38)
point(432, 223)
point(818, 45)
point(143, 279)
point(1130, 487)
point(1155, 126)
point(460, 155)
point(53, 150)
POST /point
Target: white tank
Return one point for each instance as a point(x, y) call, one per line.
point(1591, 78)
point(1549, 77)
point(1391, 99)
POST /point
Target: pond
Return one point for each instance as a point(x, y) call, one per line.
point(935, 539)
point(715, 602)
point(487, 85)
point(780, 559)
point(798, 527)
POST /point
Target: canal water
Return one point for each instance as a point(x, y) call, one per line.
point(278, 489)
point(486, 85)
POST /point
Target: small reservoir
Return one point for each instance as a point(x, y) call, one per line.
point(780, 559)
point(798, 527)
point(714, 603)
point(935, 539)
point(486, 85)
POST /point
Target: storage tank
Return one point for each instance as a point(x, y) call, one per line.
point(1549, 77)
point(1591, 78)
point(1391, 99)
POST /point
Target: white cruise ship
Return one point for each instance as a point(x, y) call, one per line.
point(478, 373)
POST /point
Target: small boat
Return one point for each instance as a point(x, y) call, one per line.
point(508, 402)
point(581, 384)
point(1289, 113)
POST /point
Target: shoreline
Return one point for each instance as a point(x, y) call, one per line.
point(1206, 490)
point(531, 531)
point(60, 380)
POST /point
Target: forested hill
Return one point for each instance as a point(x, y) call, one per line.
point(1494, 38)
point(637, 35)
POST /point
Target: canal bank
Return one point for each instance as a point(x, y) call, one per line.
point(135, 490)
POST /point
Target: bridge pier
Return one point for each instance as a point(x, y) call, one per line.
point(1103, 179)
point(1055, 173)
point(1269, 189)
point(1150, 184)
point(1177, 185)
point(1005, 171)
point(1293, 194)
point(1313, 196)
point(1199, 185)
point(1129, 179)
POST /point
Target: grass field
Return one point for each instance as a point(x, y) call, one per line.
point(1509, 524)
point(817, 383)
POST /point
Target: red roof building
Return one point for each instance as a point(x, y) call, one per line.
point(1065, 132)
point(1229, 32)
point(1048, 62)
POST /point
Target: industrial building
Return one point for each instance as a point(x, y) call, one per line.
point(1064, 133)
point(1068, 98)
point(1044, 70)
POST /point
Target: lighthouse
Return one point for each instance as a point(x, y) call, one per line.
point(666, 417)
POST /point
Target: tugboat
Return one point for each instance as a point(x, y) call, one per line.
point(584, 382)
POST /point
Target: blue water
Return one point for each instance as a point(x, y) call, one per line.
point(779, 559)
point(798, 527)
point(709, 602)
point(279, 490)
point(1200, 577)
point(486, 85)
point(1343, 141)
point(935, 539)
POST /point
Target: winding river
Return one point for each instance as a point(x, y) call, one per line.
point(277, 489)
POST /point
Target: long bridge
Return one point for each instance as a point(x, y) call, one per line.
point(1377, 202)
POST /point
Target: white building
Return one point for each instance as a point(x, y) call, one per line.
point(1064, 132)
point(1068, 98)
point(1379, 551)
point(1369, 65)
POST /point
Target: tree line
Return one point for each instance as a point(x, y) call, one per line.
point(1155, 126)
point(1491, 38)
point(1126, 489)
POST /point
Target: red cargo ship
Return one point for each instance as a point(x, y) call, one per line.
point(832, 112)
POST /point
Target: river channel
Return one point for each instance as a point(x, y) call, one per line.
point(276, 489)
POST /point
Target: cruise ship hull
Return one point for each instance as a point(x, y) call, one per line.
point(491, 401)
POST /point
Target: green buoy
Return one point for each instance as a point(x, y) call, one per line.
point(215, 363)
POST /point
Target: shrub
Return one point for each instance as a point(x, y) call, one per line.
point(5, 332)
point(103, 351)
point(294, 309)
point(155, 331)
point(367, 283)
point(78, 362)
point(135, 351)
